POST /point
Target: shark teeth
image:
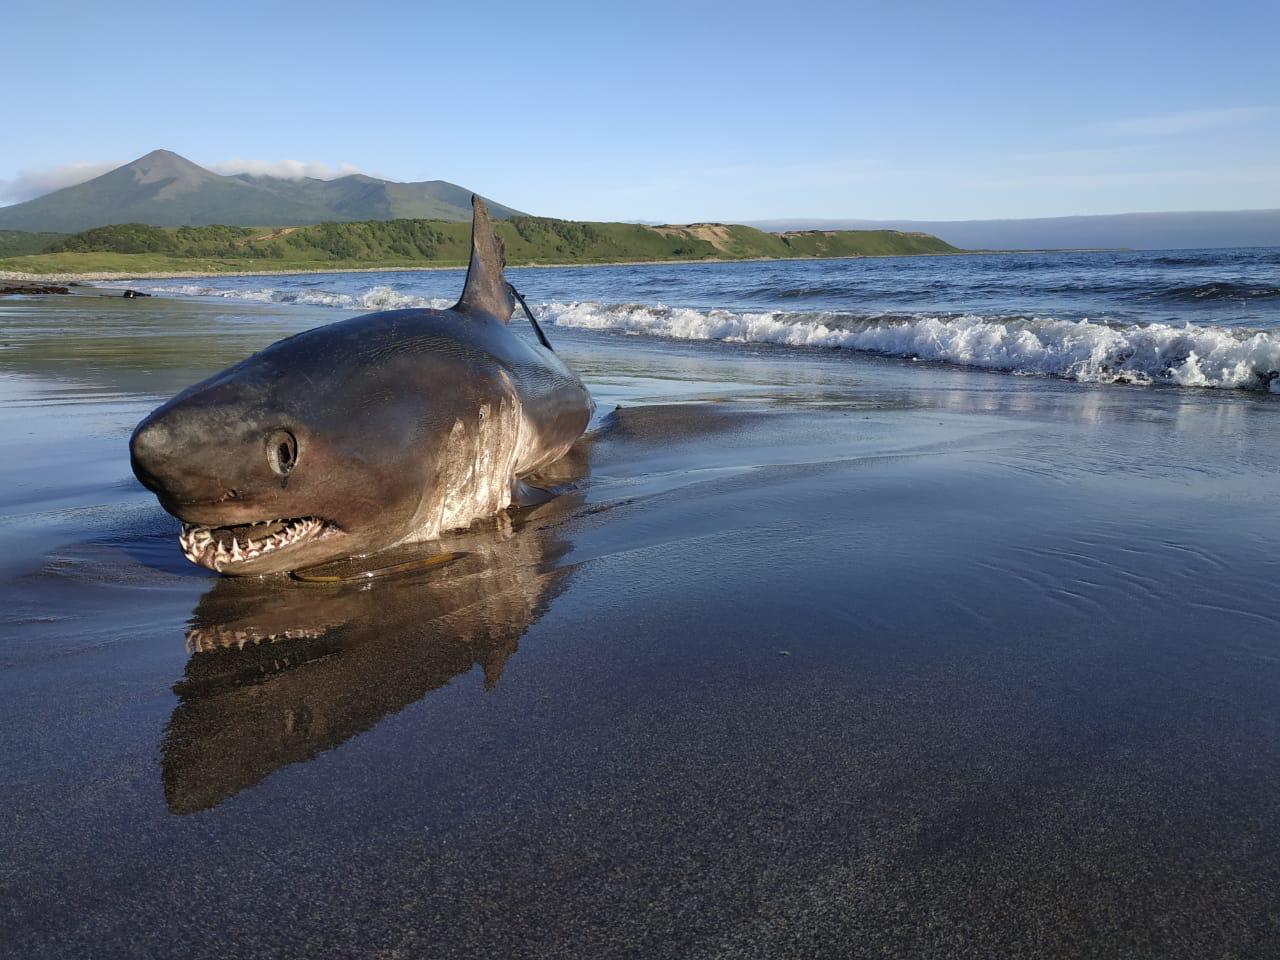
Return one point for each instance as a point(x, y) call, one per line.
point(208, 638)
point(217, 547)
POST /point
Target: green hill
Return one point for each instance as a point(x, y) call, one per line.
point(165, 189)
point(16, 243)
point(139, 248)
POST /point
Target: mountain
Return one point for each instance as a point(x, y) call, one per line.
point(166, 190)
point(1137, 231)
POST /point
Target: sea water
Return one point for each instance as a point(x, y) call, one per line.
point(1193, 318)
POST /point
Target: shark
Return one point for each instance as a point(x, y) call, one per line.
point(372, 432)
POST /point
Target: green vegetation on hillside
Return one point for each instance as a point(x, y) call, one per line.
point(142, 238)
point(138, 248)
point(17, 243)
point(862, 243)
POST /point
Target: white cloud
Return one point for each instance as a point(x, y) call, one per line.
point(29, 184)
point(285, 169)
point(1183, 121)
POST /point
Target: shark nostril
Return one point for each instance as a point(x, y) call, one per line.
point(282, 452)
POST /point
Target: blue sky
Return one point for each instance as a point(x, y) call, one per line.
point(674, 111)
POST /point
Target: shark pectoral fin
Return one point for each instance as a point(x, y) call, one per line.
point(527, 495)
point(486, 295)
point(340, 572)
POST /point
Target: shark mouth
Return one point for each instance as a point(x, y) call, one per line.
point(218, 547)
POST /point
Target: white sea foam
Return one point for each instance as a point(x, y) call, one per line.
point(376, 298)
point(1190, 355)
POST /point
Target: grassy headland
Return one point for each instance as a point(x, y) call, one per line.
point(135, 248)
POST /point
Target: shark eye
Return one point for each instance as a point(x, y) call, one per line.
point(282, 452)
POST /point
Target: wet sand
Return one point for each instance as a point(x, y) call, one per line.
point(819, 656)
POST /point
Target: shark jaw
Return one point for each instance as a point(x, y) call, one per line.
point(225, 548)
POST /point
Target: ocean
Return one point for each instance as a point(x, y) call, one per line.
point(1202, 318)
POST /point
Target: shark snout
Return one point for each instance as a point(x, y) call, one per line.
point(173, 461)
point(150, 450)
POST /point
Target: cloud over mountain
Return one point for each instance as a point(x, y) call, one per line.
point(36, 183)
point(285, 169)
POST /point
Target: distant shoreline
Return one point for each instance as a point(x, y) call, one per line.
point(98, 276)
point(92, 277)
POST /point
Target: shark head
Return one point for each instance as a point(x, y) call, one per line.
point(285, 461)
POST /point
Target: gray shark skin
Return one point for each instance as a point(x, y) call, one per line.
point(380, 430)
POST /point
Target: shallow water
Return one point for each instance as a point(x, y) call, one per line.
point(823, 653)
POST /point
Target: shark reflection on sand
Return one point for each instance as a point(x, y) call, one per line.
point(279, 672)
point(278, 675)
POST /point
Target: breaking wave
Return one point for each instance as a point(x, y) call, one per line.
point(1189, 355)
point(1186, 354)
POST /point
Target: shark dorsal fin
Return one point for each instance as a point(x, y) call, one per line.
point(486, 295)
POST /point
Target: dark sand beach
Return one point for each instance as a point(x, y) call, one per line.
point(821, 655)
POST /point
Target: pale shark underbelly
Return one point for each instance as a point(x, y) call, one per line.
point(480, 464)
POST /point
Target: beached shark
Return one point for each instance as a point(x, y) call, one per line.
point(383, 429)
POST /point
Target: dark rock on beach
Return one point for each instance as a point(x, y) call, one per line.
point(30, 288)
